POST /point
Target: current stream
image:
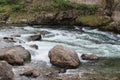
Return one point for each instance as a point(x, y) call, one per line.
point(83, 40)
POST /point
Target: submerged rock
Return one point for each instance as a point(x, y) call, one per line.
point(89, 57)
point(8, 39)
point(34, 46)
point(6, 72)
point(35, 37)
point(63, 57)
point(17, 35)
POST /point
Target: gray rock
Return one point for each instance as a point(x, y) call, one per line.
point(63, 57)
point(35, 37)
point(22, 52)
point(16, 55)
point(13, 59)
point(30, 72)
point(34, 46)
point(89, 57)
point(8, 39)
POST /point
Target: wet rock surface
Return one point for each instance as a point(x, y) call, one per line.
point(34, 46)
point(8, 39)
point(89, 57)
point(63, 57)
point(35, 37)
point(35, 71)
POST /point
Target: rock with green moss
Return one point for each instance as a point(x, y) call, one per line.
point(94, 20)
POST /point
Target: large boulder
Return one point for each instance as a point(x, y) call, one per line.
point(22, 52)
point(63, 57)
point(6, 72)
point(13, 59)
point(16, 55)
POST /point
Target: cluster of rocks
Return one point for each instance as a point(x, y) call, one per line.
point(33, 37)
point(15, 56)
point(60, 56)
point(66, 58)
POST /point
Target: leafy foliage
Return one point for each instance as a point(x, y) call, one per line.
point(18, 6)
point(11, 5)
point(4, 2)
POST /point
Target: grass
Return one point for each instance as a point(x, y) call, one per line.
point(62, 4)
point(18, 8)
point(52, 5)
point(94, 20)
point(86, 7)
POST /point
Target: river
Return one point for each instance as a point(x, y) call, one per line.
point(106, 45)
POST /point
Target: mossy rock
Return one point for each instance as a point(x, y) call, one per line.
point(94, 20)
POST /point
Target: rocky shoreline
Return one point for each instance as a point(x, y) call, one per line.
point(104, 16)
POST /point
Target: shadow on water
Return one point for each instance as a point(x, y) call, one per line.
point(103, 65)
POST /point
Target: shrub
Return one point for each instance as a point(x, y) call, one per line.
point(3, 2)
point(18, 6)
point(86, 7)
point(81, 6)
point(7, 2)
point(62, 4)
point(6, 8)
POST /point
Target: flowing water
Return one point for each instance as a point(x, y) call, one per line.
point(83, 40)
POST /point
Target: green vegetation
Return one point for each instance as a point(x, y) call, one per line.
point(10, 5)
point(4, 2)
point(19, 9)
point(18, 6)
point(86, 7)
point(94, 20)
point(62, 4)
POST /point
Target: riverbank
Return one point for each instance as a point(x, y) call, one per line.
point(100, 15)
